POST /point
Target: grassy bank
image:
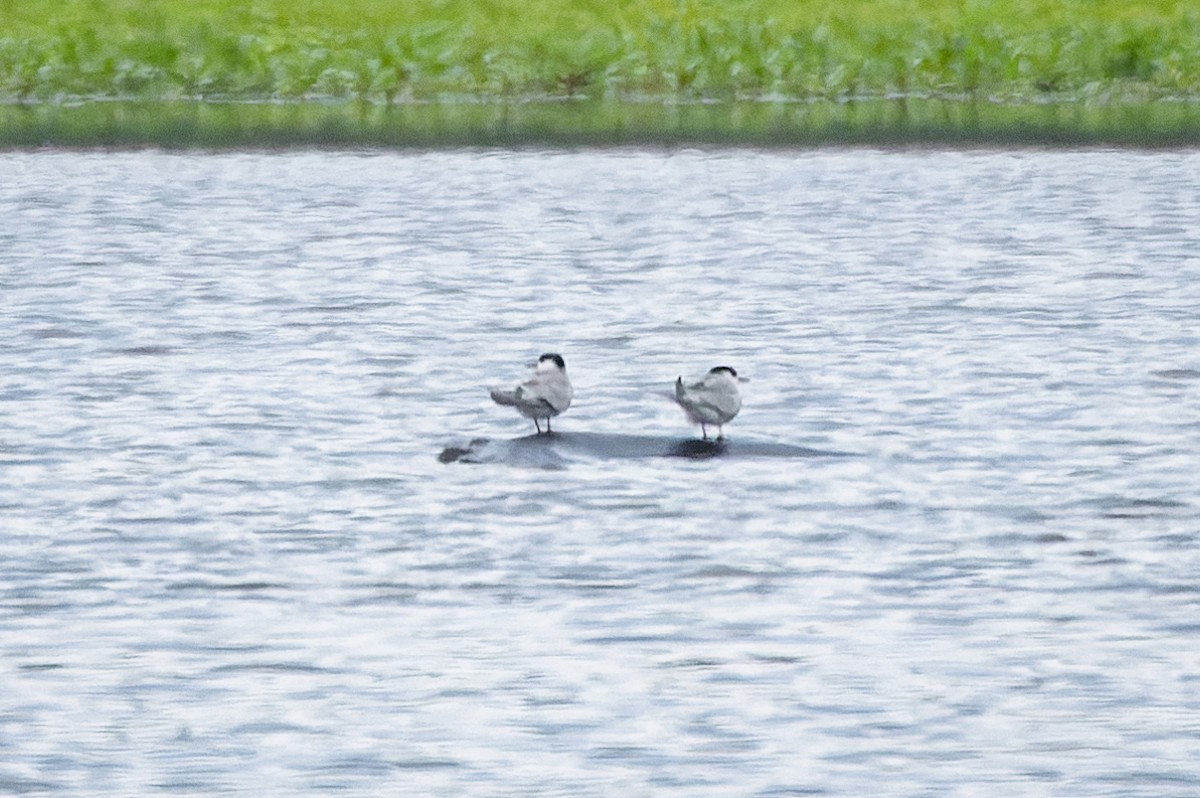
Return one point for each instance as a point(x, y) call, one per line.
point(210, 125)
point(368, 70)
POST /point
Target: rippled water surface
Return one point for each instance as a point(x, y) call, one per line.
point(232, 562)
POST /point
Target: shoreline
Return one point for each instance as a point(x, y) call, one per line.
point(553, 122)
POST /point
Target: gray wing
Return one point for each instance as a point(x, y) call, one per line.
point(727, 403)
point(552, 393)
point(532, 400)
point(701, 399)
point(502, 397)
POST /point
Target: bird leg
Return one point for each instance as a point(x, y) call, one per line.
point(704, 431)
point(537, 424)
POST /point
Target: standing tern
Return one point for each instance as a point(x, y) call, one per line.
point(544, 395)
point(713, 399)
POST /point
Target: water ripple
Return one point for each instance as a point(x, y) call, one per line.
point(951, 547)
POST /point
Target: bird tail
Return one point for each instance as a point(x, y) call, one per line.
point(506, 398)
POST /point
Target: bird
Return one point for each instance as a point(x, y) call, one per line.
point(714, 399)
point(544, 395)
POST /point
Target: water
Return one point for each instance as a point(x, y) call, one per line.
point(231, 560)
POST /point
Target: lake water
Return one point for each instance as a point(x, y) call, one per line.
point(232, 561)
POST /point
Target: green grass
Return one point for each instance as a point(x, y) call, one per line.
point(800, 58)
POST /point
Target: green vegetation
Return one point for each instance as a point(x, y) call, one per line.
point(589, 123)
point(935, 68)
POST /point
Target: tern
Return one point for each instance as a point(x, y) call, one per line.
point(714, 399)
point(544, 395)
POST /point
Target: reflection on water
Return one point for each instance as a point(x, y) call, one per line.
point(232, 560)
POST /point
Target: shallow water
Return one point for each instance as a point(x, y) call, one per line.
point(232, 561)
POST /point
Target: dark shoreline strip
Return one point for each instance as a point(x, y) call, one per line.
point(199, 124)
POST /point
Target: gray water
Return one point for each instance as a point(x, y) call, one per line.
point(232, 562)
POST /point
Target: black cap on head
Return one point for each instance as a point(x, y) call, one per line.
point(562, 364)
point(715, 369)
